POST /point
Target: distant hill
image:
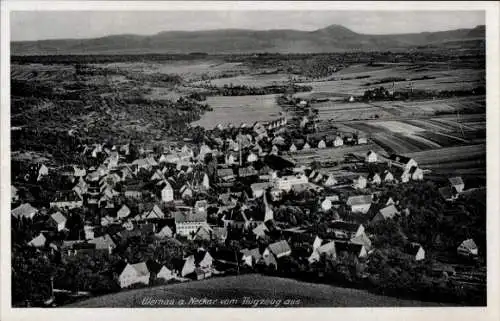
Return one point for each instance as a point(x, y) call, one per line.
point(250, 286)
point(334, 38)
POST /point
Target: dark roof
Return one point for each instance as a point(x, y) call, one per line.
point(412, 248)
point(181, 217)
point(389, 211)
point(359, 200)
point(345, 226)
point(470, 244)
point(153, 266)
point(348, 247)
point(447, 192)
point(279, 248)
point(399, 158)
point(66, 196)
point(199, 255)
point(247, 171)
point(225, 172)
point(456, 180)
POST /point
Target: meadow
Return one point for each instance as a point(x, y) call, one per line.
point(252, 287)
point(239, 109)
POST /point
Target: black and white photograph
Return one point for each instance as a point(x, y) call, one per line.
point(223, 158)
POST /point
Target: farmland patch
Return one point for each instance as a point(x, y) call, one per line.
point(398, 127)
point(442, 139)
point(238, 109)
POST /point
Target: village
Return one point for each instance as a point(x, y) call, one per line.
point(235, 203)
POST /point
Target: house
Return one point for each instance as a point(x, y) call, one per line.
point(292, 148)
point(357, 249)
point(260, 230)
point(204, 150)
point(315, 177)
point(14, 196)
point(157, 176)
point(387, 177)
point(467, 248)
point(286, 182)
point(58, 221)
point(24, 210)
point(154, 213)
point(226, 174)
point(374, 179)
point(38, 241)
point(39, 171)
point(134, 274)
point(200, 207)
point(250, 257)
point(67, 199)
point(329, 180)
point(416, 251)
point(203, 233)
point(79, 172)
point(89, 232)
point(167, 193)
point(278, 140)
point(247, 171)
point(403, 162)
point(371, 157)
point(112, 160)
point(404, 176)
point(417, 174)
point(275, 251)
point(385, 213)
point(187, 223)
point(201, 260)
point(107, 220)
point(457, 183)
point(322, 144)
point(359, 203)
point(345, 230)
point(103, 243)
point(123, 212)
point(219, 233)
point(186, 192)
point(251, 158)
point(165, 232)
point(362, 140)
point(390, 201)
point(165, 274)
point(364, 240)
point(258, 189)
point(205, 183)
point(76, 248)
point(448, 193)
point(359, 182)
point(306, 146)
point(338, 141)
point(328, 250)
point(326, 204)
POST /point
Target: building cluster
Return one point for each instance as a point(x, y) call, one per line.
point(228, 188)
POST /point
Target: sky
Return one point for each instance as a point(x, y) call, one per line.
point(38, 25)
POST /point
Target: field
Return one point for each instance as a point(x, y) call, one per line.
point(239, 109)
point(335, 154)
point(466, 161)
point(252, 287)
point(354, 79)
point(254, 80)
point(188, 70)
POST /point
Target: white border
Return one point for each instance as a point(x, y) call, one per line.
point(493, 142)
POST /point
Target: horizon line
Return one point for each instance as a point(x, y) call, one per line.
point(242, 29)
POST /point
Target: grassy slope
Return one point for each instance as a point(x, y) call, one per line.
point(253, 286)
